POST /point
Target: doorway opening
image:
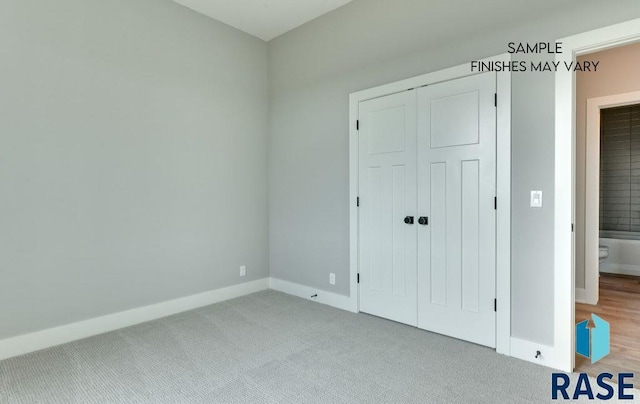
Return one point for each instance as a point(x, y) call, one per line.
point(613, 36)
point(607, 204)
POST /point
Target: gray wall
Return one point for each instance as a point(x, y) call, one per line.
point(367, 43)
point(132, 158)
point(133, 136)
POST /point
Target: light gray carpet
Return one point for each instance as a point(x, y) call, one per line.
point(271, 348)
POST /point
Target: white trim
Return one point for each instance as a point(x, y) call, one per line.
point(527, 350)
point(591, 204)
point(564, 266)
point(36, 341)
point(592, 187)
point(503, 184)
point(503, 218)
point(316, 295)
point(354, 263)
point(581, 296)
point(563, 212)
point(620, 269)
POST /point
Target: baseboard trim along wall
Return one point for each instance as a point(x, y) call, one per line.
point(321, 296)
point(621, 269)
point(36, 341)
point(39, 340)
point(581, 295)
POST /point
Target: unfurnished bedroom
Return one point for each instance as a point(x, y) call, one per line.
point(319, 201)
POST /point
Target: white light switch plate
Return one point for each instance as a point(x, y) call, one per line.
point(536, 199)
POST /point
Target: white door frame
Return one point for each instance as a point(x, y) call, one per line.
point(592, 189)
point(503, 184)
point(565, 134)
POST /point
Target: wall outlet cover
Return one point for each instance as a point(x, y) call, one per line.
point(536, 199)
point(243, 270)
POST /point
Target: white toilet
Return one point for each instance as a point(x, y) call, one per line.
point(604, 253)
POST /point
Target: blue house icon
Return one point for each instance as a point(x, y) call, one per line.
point(593, 342)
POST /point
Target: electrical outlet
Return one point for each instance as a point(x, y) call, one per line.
point(332, 278)
point(536, 199)
point(243, 270)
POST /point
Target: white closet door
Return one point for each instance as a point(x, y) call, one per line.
point(457, 183)
point(387, 189)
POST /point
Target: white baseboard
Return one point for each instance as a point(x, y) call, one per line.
point(527, 350)
point(633, 270)
point(585, 297)
point(321, 296)
point(36, 341)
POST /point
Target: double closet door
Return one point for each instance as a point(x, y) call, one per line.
point(427, 219)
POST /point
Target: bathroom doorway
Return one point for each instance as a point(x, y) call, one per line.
point(607, 204)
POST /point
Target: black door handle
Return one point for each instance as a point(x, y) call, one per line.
point(424, 220)
point(408, 220)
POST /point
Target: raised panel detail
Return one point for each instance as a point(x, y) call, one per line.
point(455, 120)
point(376, 219)
point(438, 264)
point(399, 228)
point(387, 130)
point(470, 235)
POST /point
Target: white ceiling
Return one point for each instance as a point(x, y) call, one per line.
point(265, 19)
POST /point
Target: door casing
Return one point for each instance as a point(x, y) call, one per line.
point(503, 183)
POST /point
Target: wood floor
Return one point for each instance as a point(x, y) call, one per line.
point(619, 304)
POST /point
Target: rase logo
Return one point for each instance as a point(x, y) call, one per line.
point(561, 386)
point(592, 342)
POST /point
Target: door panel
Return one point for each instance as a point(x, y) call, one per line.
point(445, 132)
point(375, 233)
point(456, 177)
point(438, 245)
point(387, 189)
point(470, 236)
point(399, 239)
